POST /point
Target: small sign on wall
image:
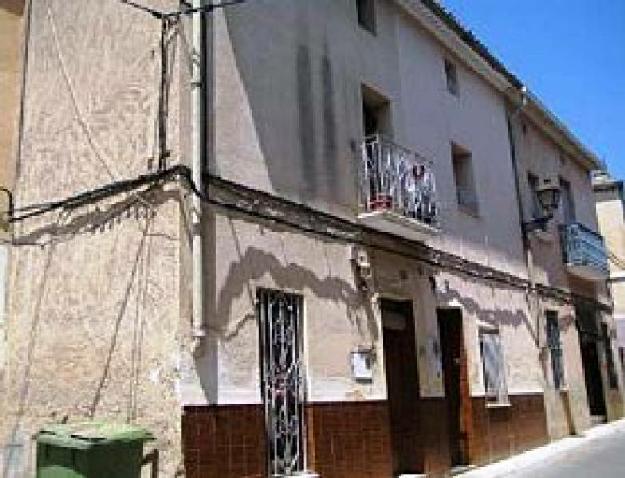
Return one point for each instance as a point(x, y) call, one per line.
point(362, 365)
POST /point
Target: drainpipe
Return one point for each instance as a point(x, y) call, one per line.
point(527, 249)
point(197, 155)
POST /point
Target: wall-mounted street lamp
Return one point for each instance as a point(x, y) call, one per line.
point(548, 195)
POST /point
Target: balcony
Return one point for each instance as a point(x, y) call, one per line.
point(584, 252)
point(397, 190)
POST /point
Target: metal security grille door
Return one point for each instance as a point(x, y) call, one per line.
point(281, 381)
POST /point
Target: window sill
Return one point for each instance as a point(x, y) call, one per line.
point(370, 31)
point(499, 405)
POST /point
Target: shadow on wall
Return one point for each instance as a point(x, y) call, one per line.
point(253, 264)
point(290, 88)
point(495, 316)
point(67, 228)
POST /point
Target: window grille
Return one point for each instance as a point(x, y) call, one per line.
point(555, 349)
point(279, 316)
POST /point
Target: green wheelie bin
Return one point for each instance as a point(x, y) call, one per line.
point(91, 450)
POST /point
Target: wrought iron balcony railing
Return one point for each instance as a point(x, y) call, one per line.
point(584, 252)
point(396, 180)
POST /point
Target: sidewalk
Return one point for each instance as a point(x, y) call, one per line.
point(543, 456)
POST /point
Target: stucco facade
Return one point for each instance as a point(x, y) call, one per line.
point(539, 155)
point(611, 214)
point(94, 314)
point(11, 35)
point(101, 302)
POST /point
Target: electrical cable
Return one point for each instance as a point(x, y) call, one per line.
point(160, 14)
point(439, 259)
point(109, 190)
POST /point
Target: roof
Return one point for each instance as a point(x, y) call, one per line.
point(472, 41)
point(539, 113)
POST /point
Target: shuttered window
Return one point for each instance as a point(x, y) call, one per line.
point(493, 367)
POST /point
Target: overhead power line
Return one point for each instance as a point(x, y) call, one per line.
point(188, 10)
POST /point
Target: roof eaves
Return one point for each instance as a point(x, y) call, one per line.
point(472, 41)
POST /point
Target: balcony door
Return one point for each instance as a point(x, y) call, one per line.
point(376, 113)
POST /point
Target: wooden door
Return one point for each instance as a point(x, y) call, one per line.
point(402, 386)
point(456, 383)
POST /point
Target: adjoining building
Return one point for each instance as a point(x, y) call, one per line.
point(12, 27)
point(611, 214)
point(331, 245)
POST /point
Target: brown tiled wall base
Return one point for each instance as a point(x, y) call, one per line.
point(353, 439)
point(501, 432)
point(349, 440)
point(224, 441)
point(435, 436)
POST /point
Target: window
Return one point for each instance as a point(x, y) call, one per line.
point(555, 349)
point(609, 358)
point(567, 203)
point(366, 14)
point(279, 317)
point(493, 367)
point(451, 76)
point(535, 207)
point(463, 177)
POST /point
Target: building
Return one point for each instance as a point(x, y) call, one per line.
point(611, 214)
point(11, 53)
point(568, 254)
point(317, 258)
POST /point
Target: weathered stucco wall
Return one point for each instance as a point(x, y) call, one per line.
point(94, 310)
point(338, 318)
point(288, 119)
point(541, 156)
point(11, 28)
point(611, 216)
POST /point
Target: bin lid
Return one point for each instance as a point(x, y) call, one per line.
point(86, 435)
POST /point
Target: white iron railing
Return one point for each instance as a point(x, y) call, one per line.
point(393, 178)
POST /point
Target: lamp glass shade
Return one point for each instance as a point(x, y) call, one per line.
point(549, 197)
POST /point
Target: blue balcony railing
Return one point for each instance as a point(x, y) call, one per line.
point(584, 252)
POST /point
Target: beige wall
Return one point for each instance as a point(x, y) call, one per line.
point(286, 117)
point(95, 311)
point(538, 154)
point(11, 24)
point(612, 226)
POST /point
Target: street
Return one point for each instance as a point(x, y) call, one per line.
point(598, 453)
point(602, 457)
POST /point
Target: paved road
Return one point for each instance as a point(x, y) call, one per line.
point(600, 458)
